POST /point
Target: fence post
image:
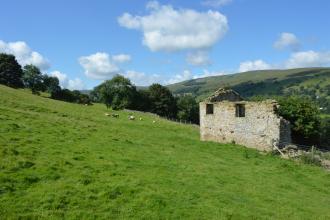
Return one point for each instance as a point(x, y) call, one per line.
point(313, 152)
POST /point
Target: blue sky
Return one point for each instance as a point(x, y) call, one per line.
point(85, 42)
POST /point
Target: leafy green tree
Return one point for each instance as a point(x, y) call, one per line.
point(33, 79)
point(10, 71)
point(162, 101)
point(117, 93)
point(188, 109)
point(304, 117)
point(142, 101)
point(51, 83)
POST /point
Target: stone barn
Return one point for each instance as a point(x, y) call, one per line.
point(226, 118)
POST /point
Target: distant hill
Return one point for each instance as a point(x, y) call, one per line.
point(311, 82)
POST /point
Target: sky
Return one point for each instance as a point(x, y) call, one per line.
point(86, 42)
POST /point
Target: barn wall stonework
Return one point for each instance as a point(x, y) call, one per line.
point(260, 127)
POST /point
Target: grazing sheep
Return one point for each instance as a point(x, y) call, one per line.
point(115, 115)
point(106, 114)
point(140, 118)
point(153, 121)
point(131, 117)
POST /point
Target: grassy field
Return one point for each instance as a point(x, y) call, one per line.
point(61, 160)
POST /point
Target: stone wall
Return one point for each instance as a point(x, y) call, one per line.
point(260, 127)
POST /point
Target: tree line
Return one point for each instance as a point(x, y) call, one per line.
point(120, 93)
point(30, 76)
point(117, 93)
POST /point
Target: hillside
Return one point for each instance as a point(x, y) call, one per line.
point(312, 82)
point(60, 160)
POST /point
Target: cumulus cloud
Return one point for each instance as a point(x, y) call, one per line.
point(65, 82)
point(24, 54)
point(121, 58)
point(99, 66)
point(287, 40)
point(169, 29)
point(253, 65)
point(216, 3)
point(198, 58)
point(308, 59)
point(143, 79)
point(180, 77)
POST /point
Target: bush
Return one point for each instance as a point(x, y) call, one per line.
point(304, 117)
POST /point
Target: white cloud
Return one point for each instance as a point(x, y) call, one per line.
point(180, 77)
point(168, 29)
point(121, 58)
point(24, 54)
point(142, 79)
point(99, 66)
point(308, 59)
point(216, 3)
point(76, 84)
point(198, 58)
point(62, 78)
point(287, 40)
point(253, 65)
point(65, 82)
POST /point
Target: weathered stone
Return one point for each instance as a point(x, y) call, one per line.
point(253, 124)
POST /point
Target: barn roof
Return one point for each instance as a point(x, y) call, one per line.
point(224, 95)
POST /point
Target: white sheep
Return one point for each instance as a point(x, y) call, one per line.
point(131, 117)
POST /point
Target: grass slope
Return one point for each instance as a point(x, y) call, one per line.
point(61, 160)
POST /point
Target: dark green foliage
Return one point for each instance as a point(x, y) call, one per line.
point(10, 71)
point(188, 109)
point(51, 84)
point(304, 117)
point(117, 93)
point(325, 133)
point(33, 79)
point(63, 95)
point(162, 101)
point(71, 96)
point(142, 101)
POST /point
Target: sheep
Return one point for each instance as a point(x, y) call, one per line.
point(115, 115)
point(153, 121)
point(131, 117)
point(140, 118)
point(106, 114)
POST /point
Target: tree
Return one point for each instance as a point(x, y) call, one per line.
point(117, 93)
point(304, 117)
point(63, 95)
point(51, 83)
point(142, 101)
point(10, 71)
point(188, 109)
point(162, 101)
point(33, 79)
